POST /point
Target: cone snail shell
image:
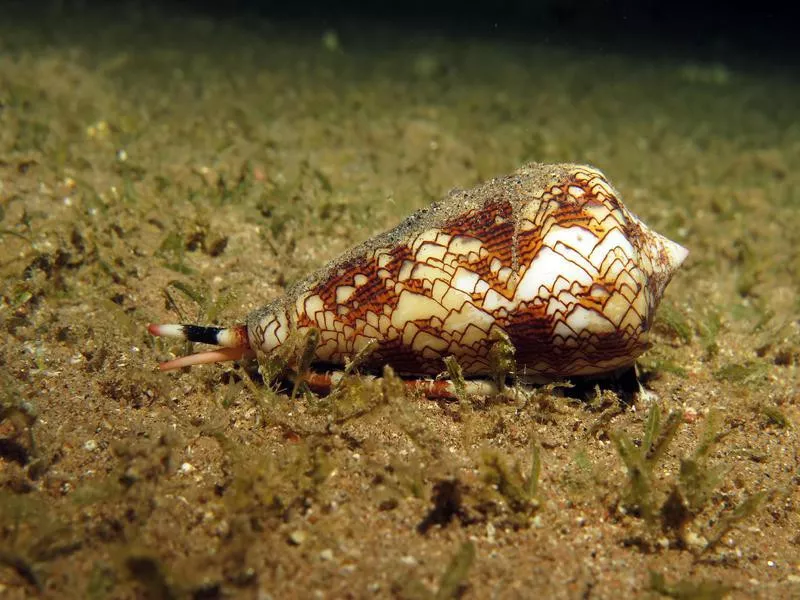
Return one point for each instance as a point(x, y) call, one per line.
point(548, 256)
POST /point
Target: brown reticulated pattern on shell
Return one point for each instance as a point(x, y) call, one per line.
point(548, 255)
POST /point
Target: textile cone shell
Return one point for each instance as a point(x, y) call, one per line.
point(548, 255)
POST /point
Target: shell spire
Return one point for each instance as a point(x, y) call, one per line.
point(548, 257)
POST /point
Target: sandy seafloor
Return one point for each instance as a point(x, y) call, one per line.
point(142, 149)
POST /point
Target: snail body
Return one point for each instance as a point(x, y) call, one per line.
point(547, 257)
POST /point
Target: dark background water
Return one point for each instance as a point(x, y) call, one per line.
point(753, 31)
